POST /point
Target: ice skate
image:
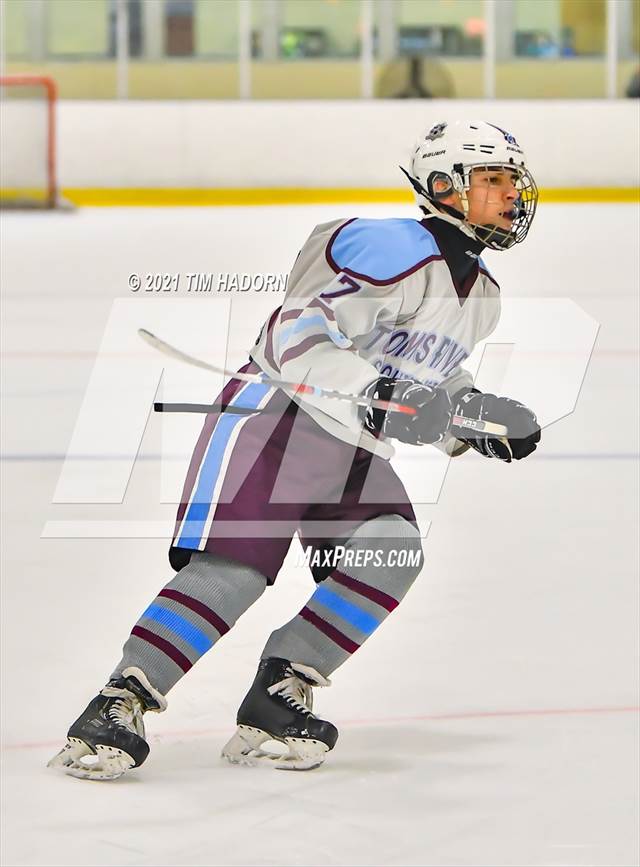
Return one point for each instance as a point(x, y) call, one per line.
point(108, 738)
point(278, 707)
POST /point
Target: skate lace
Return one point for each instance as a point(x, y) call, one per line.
point(295, 692)
point(126, 711)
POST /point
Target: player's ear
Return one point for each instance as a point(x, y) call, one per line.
point(441, 186)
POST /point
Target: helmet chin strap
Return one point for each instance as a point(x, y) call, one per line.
point(449, 215)
point(439, 209)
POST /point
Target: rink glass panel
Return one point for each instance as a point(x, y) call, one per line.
point(552, 49)
point(71, 42)
point(628, 44)
point(189, 51)
point(305, 49)
point(311, 48)
point(429, 50)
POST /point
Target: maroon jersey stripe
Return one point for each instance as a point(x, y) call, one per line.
point(490, 276)
point(330, 631)
point(316, 303)
point(268, 348)
point(363, 589)
point(172, 652)
point(290, 314)
point(301, 348)
point(199, 607)
point(328, 312)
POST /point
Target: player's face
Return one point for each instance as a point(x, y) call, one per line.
point(492, 198)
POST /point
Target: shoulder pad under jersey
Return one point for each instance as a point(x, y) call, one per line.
point(381, 251)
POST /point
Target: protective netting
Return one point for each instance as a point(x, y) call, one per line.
point(27, 155)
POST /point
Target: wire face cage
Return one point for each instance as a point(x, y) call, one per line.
point(524, 206)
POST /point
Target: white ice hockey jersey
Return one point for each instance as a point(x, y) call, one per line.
point(370, 298)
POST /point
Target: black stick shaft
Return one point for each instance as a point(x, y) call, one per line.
point(204, 408)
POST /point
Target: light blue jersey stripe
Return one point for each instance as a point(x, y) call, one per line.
point(200, 506)
point(362, 620)
point(182, 628)
point(303, 323)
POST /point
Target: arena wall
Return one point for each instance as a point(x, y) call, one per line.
point(121, 152)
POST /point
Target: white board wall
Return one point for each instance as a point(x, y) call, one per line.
point(328, 144)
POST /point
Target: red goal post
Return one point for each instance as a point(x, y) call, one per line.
point(28, 141)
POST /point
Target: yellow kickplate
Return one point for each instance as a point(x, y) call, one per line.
point(157, 197)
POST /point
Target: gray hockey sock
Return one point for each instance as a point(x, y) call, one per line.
point(379, 564)
point(188, 616)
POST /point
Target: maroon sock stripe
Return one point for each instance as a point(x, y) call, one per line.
point(197, 606)
point(172, 652)
point(363, 589)
point(330, 631)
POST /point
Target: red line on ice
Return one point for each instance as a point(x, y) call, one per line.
point(533, 712)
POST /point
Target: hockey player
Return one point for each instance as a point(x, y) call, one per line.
point(387, 308)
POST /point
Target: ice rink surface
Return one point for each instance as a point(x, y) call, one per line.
point(493, 720)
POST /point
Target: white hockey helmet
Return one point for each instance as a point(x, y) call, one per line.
point(442, 162)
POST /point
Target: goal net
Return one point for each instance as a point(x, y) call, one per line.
point(27, 142)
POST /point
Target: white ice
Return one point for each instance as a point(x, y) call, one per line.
point(493, 719)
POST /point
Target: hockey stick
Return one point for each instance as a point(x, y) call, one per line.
point(206, 408)
point(262, 378)
point(302, 389)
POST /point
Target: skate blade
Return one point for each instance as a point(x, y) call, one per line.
point(245, 748)
point(109, 764)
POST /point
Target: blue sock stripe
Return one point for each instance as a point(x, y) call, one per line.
point(182, 628)
point(362, 620)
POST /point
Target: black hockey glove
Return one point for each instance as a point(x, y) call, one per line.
point(521, 423)
point(430, 422)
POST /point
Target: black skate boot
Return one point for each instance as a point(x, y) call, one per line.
point(278, 708)
point(111, 728)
